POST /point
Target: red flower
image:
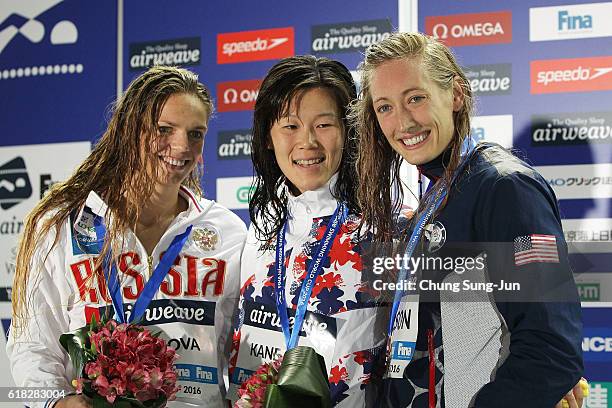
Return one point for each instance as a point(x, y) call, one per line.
point(337, 374)
point(329, 281)
point(129, 361)
point(362, 357)
point(342, 252)
point(252, 392)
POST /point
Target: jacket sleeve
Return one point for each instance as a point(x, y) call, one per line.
point(544, 317)
point(36, 357)
point(233, 233)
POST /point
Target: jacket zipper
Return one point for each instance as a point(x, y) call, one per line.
point(432, 369)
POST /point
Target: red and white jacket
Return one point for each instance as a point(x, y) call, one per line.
point(192, 308)
point(342, 313)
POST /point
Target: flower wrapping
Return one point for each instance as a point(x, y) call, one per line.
point(296, 380)
point(122, 365)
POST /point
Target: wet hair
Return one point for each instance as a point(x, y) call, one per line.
point(122, 168)
point(376, 159)
point(285, 81)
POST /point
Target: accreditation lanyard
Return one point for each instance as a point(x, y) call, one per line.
point(467, 150)
point(152, 285)
point(333, 227)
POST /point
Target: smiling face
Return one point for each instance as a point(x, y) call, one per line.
point(414, 113)
point(181, 126)
point(308, 141)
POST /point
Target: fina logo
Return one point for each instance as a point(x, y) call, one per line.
point(566, 22)
point(63, 32)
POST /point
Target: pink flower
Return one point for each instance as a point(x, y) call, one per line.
point(252, 392)
point(129, 361)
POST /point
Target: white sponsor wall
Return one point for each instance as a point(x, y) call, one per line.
point(26, 172)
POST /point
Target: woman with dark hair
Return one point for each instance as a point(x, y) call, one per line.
point(142, 182)
point(303, 244)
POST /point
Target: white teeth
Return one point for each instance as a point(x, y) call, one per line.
point(414, 140)
point(308, 162)
point(174, 162)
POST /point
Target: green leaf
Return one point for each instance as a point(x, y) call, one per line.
point(75, 343)
point(93, 323)
point(100, 402)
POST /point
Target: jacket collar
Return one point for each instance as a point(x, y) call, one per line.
point(313, 203)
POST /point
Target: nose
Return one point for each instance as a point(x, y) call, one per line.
point(178, 141)
point(406, 120)
point(308, 138)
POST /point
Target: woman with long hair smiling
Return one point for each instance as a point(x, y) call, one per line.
point(142, 183)
point(304, 195)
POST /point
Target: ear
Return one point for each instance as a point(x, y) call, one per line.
point(458, 94)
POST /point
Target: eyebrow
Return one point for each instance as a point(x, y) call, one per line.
point(403, 93)
point(167, 122)
point(319, 115)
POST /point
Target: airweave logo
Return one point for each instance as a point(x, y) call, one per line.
point(15, 185)
point(234, 144)
point(570, 22)
point(571, 129)
point(471, 29)
point(348, 37)
point(259, 45)
point(237, 95)
point(492, 79)
point(181, 51)
point(571, 75)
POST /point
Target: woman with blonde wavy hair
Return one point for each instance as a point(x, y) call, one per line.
point(142, 183)
point(473, 347)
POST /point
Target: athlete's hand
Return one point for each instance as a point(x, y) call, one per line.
point(74, 401)
point(575, 397)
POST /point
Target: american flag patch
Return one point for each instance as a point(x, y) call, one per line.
point(535, 248)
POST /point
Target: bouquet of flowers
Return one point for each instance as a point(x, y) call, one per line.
point(121, 365)
point(296, 380)
point(252, 392)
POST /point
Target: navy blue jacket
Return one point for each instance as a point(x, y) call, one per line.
point(497, 205)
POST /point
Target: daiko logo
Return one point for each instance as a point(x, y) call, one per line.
point(259, 45)
point(571, 75)
point(471, 29)
point(237, 95)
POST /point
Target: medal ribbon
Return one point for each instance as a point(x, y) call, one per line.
point(467, 150)
point(152, 285)
point(333, 227)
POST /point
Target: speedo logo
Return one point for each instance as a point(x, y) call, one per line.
point(571, 75)
point(259, 45)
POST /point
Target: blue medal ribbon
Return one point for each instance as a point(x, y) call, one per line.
point(152, 285)
point(333, 227)
point(467, 149)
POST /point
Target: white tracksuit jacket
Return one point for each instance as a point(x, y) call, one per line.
point(342, 322)
point(192, 308)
